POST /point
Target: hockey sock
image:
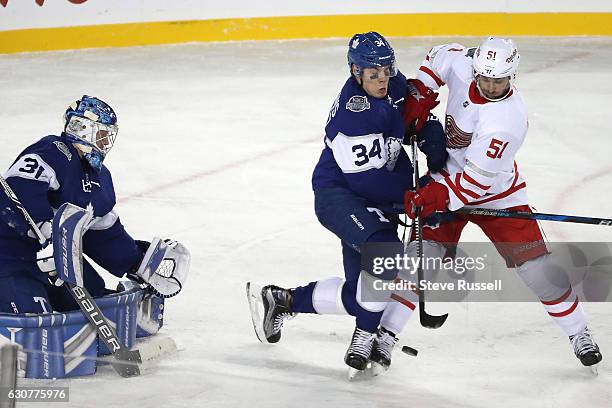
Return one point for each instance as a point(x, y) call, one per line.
point(398, 312)
point(567, 312)
point(302, 299)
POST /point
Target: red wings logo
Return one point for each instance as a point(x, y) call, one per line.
point(4, 3)
point(455, 137)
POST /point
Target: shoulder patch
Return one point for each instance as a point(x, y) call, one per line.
point(358, 103)
point(64, 149)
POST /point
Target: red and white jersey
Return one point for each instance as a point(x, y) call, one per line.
point(483, 137)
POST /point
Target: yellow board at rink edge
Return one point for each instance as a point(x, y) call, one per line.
point(270, 28)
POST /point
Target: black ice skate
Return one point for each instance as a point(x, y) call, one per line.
point(270, 307)
point(585, 348)
point(383, 346)
point(360, 349)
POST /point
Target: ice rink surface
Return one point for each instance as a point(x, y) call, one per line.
point(216, 146)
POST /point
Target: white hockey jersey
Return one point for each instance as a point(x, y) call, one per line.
point(483, 137)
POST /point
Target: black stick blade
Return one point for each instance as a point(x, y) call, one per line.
point(126, 363)
point(431, 321)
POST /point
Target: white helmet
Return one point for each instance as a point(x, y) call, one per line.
point(496, 58)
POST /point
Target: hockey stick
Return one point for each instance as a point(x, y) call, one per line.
point(534, 216)
point(526, 215)
point(127, 361)
point(427, 320)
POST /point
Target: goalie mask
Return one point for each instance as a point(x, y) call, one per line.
point(496, 59)
point(91, 125)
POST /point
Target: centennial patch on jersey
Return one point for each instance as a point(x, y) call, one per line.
point(64, 149)
point(455, 137)
point(358, 103)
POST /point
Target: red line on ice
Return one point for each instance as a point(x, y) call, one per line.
point(210, 172)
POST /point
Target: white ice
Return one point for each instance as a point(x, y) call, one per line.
point(216, 147)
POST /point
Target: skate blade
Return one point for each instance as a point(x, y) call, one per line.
point(594, 369)
point(378, 369)
point(372, 370)
point(257, 310)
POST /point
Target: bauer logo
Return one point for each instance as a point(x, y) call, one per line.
point(358, 103)
point(96, 318)
point(65, 252)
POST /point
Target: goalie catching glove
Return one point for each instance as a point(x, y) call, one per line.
point(165, 267)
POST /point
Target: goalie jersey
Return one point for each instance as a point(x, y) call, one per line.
point(363, 145)
point(46, 175)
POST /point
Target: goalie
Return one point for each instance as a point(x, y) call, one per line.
point(69, 169)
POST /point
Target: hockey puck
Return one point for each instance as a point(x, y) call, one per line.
point(410, 351)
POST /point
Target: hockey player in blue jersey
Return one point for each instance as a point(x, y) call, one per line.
point(362, 171)
point(69, 169)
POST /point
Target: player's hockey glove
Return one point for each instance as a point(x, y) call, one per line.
point(420, 100)
point(432, 141)
point(431, 198)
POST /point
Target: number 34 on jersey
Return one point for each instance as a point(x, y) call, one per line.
point(360, 153)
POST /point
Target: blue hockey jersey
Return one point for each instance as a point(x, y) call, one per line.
point(44, 176)
point(363, 145)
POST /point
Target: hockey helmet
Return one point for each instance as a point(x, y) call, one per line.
point(370, 50)
point(496, 58)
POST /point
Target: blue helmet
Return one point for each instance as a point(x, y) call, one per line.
point(91, 125)
point(370, 50)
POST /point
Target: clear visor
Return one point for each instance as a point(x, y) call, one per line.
point(96, 134)
point(375, 73)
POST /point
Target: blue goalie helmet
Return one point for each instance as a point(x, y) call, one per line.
point(91, 125)
point(370, 50)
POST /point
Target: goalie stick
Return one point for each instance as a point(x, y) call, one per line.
point(126, 361)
